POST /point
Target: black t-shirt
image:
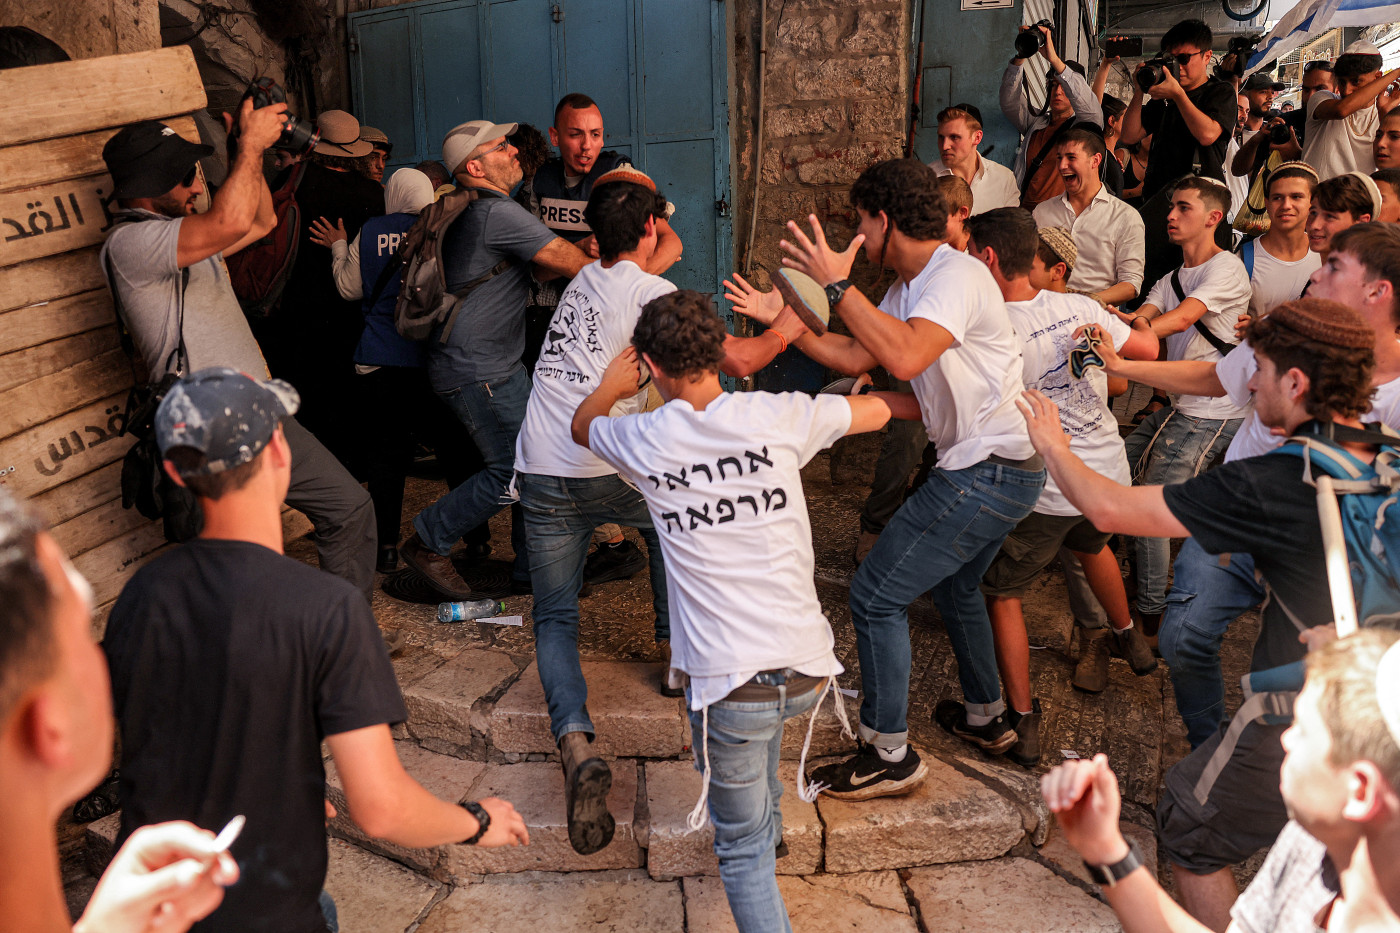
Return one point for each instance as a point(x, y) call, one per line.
point(1174, 149)
point(1261, 506)
point(230, 663)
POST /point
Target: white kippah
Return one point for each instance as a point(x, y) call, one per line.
point(1373, 189)
point(1388, 690)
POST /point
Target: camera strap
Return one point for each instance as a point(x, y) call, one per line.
point(179, 356)
point(1034, 165)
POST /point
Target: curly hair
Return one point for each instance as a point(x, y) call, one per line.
point(532, 149)
point(682, 334)
point(907, 191)
point(1339, 378)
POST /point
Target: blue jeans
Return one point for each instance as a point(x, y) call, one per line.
point(560, 515)
point(1169, 447)
point(743, 741)
point(492, 413)
point(1204, 600)
point(943, 538)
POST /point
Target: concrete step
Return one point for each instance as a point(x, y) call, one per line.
point(951, 817)
point(536, 788)
point(630, 716)
point(373, 893)
point(447, 700)
point(442, 775)
point(819, 904)
point(572, 903)
point(1006, 896)
point(673, 851)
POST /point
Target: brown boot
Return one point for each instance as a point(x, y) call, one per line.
point(864, 544)
point(1091, 673)
point(436, 569)
point(663, 651)
point(587, 781)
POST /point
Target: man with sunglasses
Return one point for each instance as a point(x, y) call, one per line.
point(165, 265)
point(1191, 115)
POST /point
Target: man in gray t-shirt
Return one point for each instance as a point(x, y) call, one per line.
point(158, 237)
point(477, 370)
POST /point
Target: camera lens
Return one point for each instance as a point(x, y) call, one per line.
point(1028, 43)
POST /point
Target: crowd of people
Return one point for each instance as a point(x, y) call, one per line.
point(569, 381)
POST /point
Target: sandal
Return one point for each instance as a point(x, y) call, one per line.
point(1155, 404)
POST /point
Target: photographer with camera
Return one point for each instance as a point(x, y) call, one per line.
point(1342, 124)
point(1069, 100)
point(165, 267)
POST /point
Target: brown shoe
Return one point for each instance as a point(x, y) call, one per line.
point(587, 780)
point(1091, 673)
point(436, 569)
point(663, 651)
point(864, 543)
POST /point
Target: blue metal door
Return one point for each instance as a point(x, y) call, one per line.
point(657, 69)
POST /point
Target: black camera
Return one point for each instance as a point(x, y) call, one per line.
point(299, 136)
point(1032, 40)
point(1241, 47)
point(1279, 133)
point(1154, 71)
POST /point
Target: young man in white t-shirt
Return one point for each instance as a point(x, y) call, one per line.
point(1279, 262)
point(1108, 234)
point(1341, 126)
point(943, 326)
point(1194, 310)
point(1049, 325)
point(1363, 272)
point(1339, 203)
point(748, 629)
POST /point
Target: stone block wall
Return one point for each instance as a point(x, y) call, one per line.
point(88, 28)
point(835, 101)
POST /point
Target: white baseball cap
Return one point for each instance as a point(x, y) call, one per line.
point(459, 142)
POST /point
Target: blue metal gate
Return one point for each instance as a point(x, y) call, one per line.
point(657, 68)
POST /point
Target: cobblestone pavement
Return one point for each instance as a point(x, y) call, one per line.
point(974, 849)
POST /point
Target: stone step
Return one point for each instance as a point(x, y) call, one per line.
point(373, 893)
point(819, 904)
point(446, 699)
point(951, 817)
point(442, 775)
point(673, 851)
point(1006, 896)
point(570, 903)
point(631, 718)
point(536, 788)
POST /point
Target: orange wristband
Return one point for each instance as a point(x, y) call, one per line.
point(780, 336)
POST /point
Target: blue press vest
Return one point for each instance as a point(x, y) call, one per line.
point(561, 208)
point(380, 344)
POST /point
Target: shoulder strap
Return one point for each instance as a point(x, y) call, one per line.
point(138, 363)
point(1247, 256)
point(1220, 346)
point(1033, 166)
point(461, 294)
point(386, 275)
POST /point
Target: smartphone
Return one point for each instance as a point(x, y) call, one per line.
point(1123, 46)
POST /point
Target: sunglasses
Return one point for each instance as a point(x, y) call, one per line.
point(190, 176)
point(1184, 58)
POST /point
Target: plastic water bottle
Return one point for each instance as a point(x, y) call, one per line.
point(469, 609)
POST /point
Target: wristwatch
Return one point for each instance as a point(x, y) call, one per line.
point(835, 291)
point(1109, 875)
point(483, 821)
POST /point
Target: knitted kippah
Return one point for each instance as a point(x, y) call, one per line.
point(628, 174)
point(1061, 243)
point(1325, 321)
point(1299, 164)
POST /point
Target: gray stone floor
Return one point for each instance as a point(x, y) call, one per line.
point(972, 850)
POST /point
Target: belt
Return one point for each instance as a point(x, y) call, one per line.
point(1032, 463)
point(764, 686)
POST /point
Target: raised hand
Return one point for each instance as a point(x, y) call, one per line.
point(762, 307)
point(815, 257)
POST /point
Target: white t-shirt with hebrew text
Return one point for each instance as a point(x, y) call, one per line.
point(592, 323)
point(968, 395)
point(724, 489)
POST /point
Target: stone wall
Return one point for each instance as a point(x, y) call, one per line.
point(835, 101)
point(88, 28)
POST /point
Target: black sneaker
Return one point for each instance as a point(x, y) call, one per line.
point(613, 562)
point(865, 775)
point(995, 737)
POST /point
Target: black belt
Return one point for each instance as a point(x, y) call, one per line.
point(1032, 464)
point(764, 686)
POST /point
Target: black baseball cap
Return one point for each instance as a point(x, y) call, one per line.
point(147, 159)
point(1260, 81)
point(226, 415)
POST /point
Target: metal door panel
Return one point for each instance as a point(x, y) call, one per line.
point(597, 62)
point(450, 46)
point(681, 170)
point(677, 57)
point(520, 63)
point(385, 97)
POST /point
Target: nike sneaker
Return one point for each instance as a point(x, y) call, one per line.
point(865, 775)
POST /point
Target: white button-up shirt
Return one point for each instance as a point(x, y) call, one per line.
point(992, 186)
point(1109, 236)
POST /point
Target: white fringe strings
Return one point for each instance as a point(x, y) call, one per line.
point(806, 792)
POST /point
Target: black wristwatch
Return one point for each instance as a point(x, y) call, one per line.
point(1109, 875)
point(835, 291)
point(483, 821)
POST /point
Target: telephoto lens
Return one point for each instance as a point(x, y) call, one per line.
point(1031, 40)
